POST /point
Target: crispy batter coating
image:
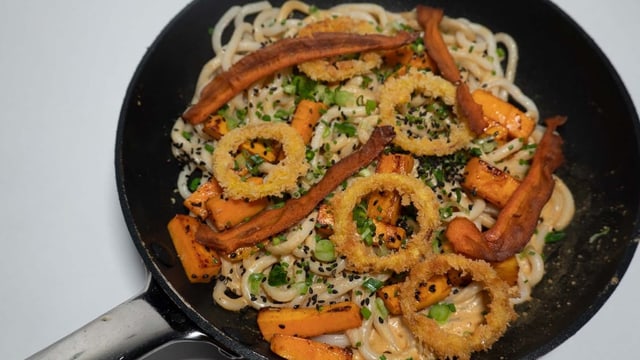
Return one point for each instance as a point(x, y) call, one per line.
point(281, 178)
point(399, 91)
point(363, 258)
point(337, 70)
point(273, 221)
point(445, 344)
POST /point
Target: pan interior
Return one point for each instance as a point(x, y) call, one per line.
point(560, 68)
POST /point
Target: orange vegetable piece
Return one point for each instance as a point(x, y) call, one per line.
point(217, 127)
point(507, 270)
point(308, 322)
point(306, 117)
point(405, 58)
point(385, 206)
point(200, 263)
point(488, 182)
point(227, 213)
point(428, 293)
point(297, 348)
point(196, 202)
point(518, 124)
point(389, 235)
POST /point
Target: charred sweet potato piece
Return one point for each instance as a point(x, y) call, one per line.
point(517, 123)
point(297, 348)
point(308, 322)
point(488, 182)
point(217, 127)
point(227, 213)
point(384, 206)
point(388, 235)
point(507, 270)
point(200, 263)
point(306, 117)
point(405, 58)
point(196, 202)
point(428, 293)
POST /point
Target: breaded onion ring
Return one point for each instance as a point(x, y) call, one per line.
point(327, 70)
point(439, 341)
point(398, 91)
point(281, 177)
point(362, 258)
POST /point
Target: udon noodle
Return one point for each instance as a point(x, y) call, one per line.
point(487, 60)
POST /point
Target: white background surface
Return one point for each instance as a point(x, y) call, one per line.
point(65, 254)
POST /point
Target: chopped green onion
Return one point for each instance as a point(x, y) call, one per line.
point(343, 98)
point(345, 128)
point(440, 312)
point(370, 106)
point(554, 237)
point(372, 284)
point(365, 226)
point(194, 183)
point(365, 312)
point(255, 280)
point(325, 250)
point(278, 275)
point(187, 135)
point(382, 310)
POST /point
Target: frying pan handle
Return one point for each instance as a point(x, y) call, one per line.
point(129, 331)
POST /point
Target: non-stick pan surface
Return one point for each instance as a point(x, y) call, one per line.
point(560, 68)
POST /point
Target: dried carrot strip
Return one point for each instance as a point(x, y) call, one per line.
point(282, 54)
point(518, 219)
point(273, 221)
point(429, 18)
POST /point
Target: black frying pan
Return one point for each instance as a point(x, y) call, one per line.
point(561, 68)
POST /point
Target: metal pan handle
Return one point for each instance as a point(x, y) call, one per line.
point(130, 330)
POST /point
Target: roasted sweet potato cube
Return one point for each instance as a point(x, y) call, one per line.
point(507, 270)
point(384, 206)
point(395, 163)
point(388, 235)
point(200, 263)
point(308, 322)
point(306, 117)
point(216, 127)
point(196, 202)
point(428, 293)
point(519, 124)
point(488, 182)
point(226, 213)
point(297, 348)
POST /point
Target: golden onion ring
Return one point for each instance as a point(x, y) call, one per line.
point(363, 258)
point(445, 344)
point(281, 178)
point(327, 70)
point(398, 91)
